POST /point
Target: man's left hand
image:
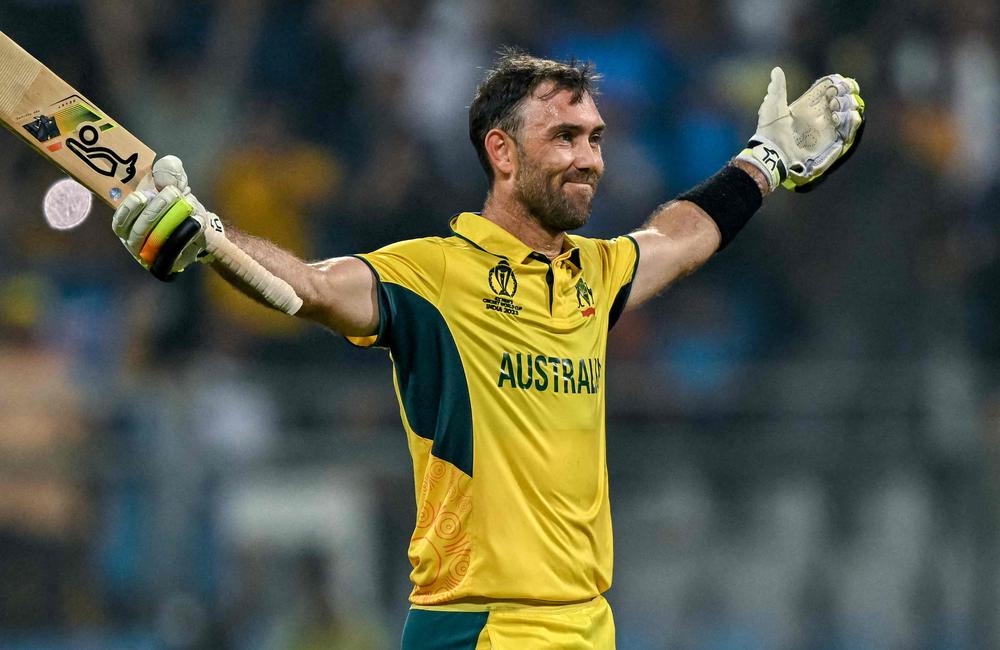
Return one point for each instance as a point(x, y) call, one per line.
point(796, 145)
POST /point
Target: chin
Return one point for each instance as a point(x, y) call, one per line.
point(581, 213)
point(578, 220)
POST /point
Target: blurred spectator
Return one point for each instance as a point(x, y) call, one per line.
point(45, 505)
point(793, 435)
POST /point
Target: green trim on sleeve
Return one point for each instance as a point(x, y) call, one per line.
point(383, 313)
point(621, 298)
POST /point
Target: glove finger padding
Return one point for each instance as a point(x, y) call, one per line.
point(844, 85)
point(126, 214)
point(825, 122)
point(847, 123)
point(844, 156)
point(149, 217)
point(131, 207)
point(169, 170)
point(775, 104)
point(844, 103)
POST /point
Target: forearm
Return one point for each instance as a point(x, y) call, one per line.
point(278, 261)
point(680, 237)
point(337, 293)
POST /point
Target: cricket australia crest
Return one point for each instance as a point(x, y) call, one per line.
point(585, 298)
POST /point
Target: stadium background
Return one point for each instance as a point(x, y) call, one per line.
point(803, 437)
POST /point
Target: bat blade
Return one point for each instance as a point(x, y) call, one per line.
point(67, 128)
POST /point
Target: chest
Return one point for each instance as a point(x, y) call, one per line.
point(532, 338)
point(500, 305)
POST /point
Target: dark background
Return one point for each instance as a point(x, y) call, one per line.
point(802, 437)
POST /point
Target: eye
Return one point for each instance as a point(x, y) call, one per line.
point(564, 136)
point(595, 139)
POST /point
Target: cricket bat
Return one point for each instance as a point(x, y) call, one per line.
point(83, 141)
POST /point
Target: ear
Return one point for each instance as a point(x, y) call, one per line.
point(502, 151)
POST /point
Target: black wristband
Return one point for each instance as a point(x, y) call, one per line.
point(730, 197)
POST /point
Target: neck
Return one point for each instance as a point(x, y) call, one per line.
point(515, 218)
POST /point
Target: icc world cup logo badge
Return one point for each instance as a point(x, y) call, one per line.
point(503, 282)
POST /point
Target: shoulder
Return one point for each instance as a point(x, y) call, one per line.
point(408, 253)
point(411, 247)
point(417, 264)
point(622, 250)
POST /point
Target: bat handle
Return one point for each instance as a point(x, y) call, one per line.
point(271, 288)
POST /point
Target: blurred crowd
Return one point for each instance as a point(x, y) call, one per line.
point(828, 386)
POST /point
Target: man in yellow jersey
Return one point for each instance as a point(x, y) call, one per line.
point(498, 334)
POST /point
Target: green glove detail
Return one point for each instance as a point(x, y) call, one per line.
point(162, 224)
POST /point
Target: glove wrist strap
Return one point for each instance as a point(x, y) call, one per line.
point(765, 157)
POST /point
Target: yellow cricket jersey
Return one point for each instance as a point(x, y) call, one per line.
point(499, 364)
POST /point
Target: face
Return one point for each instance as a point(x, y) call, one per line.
point(559, 158)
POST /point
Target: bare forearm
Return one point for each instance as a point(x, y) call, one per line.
point(337, 293)
point(279, 262)
point(678, 239)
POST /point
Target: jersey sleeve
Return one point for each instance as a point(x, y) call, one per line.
point(620, 260)
point(414, 268)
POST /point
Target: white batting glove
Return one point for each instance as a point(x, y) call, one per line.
point(163, 225)
point(795, 145)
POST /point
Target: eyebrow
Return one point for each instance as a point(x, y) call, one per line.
point(576, 128)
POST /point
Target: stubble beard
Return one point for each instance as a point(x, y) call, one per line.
point(545, 200)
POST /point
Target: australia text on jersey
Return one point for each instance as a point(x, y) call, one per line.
point(541, 372)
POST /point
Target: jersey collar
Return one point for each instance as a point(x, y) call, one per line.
point(491, 238)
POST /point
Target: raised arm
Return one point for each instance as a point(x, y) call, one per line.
point(793, 147)
point(678, 238)
point(337, 293)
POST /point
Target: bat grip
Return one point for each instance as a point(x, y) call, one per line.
point(271, 288)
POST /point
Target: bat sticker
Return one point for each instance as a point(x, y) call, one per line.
point(102, 160)
point(43, 128)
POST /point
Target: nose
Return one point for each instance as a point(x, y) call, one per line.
point(588, 158)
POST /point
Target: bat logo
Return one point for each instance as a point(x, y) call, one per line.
point(43, 128)
point(102, 160)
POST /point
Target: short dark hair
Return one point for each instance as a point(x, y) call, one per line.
point(516, 74)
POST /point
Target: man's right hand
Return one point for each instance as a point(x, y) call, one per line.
point(163, 225)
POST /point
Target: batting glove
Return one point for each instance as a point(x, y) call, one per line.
point(163, 225)
point(796, 145)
